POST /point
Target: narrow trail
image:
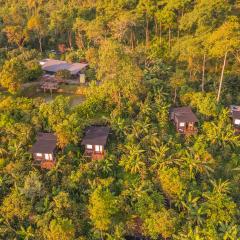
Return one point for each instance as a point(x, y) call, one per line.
point(30, 84)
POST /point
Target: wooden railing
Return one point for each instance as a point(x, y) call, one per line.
point(45, 164)
point(237, 130)
point(94, 155)
point(188, 131)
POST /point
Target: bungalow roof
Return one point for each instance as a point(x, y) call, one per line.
point(96, 135)
point(184, 114)
point(45, 143)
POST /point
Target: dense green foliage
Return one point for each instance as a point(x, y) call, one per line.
point(147, 55)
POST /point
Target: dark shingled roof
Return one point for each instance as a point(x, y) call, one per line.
point(236, 114)
point(235, 111)
point(184, 114)
point(46, 143)
point(96, 135)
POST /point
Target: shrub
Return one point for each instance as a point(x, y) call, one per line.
point(64, 74)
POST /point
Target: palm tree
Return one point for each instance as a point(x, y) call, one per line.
point(140, 129)
point(220, 187)
point(159, 159)
point(25, 233)
point(132, 160)
point(106, 166)
point(196, 162)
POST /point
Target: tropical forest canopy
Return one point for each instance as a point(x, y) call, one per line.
point(144, 57)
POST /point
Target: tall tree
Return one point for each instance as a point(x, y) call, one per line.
point(13, 74)
point(224, 41)
point(37, 24)
point(147, 8)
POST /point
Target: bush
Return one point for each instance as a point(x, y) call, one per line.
point(13, 74)
point(64, 74)
point(34, 70)
point(52, 55)
point(91, 74)
point(74, 56)
point(24, 55)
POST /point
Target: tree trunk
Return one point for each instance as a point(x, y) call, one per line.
point(190, 74)
point(169, 38)
point(203, 71)
point(190, 67)
point(40, 43)
point(175, 95)
point(221, 79)
point(132, 39)
point(160, 32)
point(147, 31)
point(20, 43)
point(70, 39)
point(119, 101)
point(156, 26)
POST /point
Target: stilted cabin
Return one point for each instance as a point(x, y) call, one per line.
point(44, 149)
point(95, 141)
point(184, 120)
point(235, 115)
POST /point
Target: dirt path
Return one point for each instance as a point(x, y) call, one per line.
point(30, 84)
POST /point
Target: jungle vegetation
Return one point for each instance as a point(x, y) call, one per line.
point(147, 55)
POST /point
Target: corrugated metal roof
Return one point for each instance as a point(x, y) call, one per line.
point(52, 65)
point(75, 68)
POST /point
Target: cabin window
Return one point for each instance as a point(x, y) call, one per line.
point(237, 121)
point(39, 154)
point(89, 146)
point(48, 156)
point(98, 148)
point(182, 124)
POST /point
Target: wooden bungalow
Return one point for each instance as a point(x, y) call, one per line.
point(44, 150)
point(235, 115)
point(184, 120)
point(95, 140)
